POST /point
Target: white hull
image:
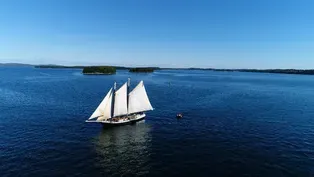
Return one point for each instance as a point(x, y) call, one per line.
point(120, 121)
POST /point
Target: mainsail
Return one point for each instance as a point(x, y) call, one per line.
point(120, 101)
point(103, 111)
point(138, 100)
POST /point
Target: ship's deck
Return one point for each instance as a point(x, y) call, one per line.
point(121, 120)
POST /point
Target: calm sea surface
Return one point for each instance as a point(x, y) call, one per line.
point(235, 124)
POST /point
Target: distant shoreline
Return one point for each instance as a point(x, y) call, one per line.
point(142, 70)
point(274, 71)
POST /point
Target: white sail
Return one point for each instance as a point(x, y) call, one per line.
point(107, 110)
point(138, 100)
point(120, 101)
point(104, 108)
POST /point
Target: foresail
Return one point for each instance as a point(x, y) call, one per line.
point(138, 100)
point(107, 110)
point(120, 101)
point(102, 109)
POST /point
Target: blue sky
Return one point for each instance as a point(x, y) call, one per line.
point(166, 33)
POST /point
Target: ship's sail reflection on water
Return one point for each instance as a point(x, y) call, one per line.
point(124, 149)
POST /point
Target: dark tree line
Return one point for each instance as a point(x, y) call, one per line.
point(142, 70)
point(99, 70)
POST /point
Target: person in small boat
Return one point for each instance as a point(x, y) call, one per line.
point(179, 115)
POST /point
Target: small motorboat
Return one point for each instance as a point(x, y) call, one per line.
point(179, 115)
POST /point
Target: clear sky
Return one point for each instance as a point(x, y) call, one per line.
point(166, 33)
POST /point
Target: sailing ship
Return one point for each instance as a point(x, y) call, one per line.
point(121, 107)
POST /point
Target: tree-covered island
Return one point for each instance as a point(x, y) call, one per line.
point(99, 70)
point(143, 70)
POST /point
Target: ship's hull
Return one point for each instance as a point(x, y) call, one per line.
point(122, 121)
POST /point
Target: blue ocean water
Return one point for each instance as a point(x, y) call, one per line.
point(235, 124)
